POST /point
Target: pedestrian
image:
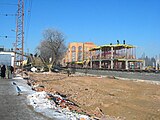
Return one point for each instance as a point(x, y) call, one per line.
point(7, 72)
point(11, 69)
point(3, 71)
point(68, 72)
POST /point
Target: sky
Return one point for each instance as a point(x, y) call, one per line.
point(98, 21)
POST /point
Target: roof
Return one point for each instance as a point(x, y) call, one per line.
point(95, 48)
point(116, 46)
point(131, 60)
point(79, 62)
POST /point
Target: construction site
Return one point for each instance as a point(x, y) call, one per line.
point(117, 56)
point(105, 82)
point(110, 56)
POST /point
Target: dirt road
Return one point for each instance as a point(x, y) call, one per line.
point(126, 99)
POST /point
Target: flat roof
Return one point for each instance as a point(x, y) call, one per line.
point(79, 62)
point(116, 46)
point(131, 60)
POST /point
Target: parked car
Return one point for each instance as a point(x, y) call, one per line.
point(56, 69)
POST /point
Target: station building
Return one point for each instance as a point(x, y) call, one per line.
point(6, 56)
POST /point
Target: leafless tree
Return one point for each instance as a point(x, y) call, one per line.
point(52, 47)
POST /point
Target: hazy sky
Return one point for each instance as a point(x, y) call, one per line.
point(98, 21)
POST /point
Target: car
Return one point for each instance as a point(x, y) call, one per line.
point(56, 69)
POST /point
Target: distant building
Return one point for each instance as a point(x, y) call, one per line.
point(78, 52)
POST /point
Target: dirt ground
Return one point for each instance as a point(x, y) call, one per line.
point(126, 99)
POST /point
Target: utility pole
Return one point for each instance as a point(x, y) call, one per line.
point(19, 44)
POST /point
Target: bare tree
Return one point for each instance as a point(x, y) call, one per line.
point(52, 47)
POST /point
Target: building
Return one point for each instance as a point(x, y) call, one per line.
point(7, 58)
point(78, 52)
point(117, 56)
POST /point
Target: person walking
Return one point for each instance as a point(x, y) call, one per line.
point(11, 71)
point(3, 71)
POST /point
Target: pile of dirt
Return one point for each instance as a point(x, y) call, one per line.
point(98, 96)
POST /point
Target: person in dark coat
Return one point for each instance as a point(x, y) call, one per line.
point(3, 71)
point(11, 69)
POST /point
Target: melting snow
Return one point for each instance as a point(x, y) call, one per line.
point(47, 107)
point(42, 104)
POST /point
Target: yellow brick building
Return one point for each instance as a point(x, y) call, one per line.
point(78, 52)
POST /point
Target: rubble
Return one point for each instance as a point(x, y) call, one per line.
point(52, 104)
point(33, 69)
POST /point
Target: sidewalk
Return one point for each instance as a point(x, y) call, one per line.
point(13, 107)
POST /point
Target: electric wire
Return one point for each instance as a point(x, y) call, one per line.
point(8, 4)
point(8, 15)
point(27, 13)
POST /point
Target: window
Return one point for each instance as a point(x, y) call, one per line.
point(79, 56)
point(73, 48)
point(73, 56)
point(80, 48)
point(73, 53)
point(85, 49)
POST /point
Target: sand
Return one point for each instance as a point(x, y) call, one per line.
point(125, 99)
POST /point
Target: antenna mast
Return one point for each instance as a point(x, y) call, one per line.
point(19, 45)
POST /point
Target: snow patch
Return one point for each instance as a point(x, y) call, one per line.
point(42, 104)
point(18, 78)
point(47, 107)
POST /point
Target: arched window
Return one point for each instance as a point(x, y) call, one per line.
point(73, 48)
point(79, 56)
point(80, 48)
point(80, 53)
point(73, 56)
point(73, 53)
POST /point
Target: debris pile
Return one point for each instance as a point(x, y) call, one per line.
point(59, 103)
point(54, 105)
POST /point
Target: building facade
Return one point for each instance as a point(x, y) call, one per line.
point(78, 52)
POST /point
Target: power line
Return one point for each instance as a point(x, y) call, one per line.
point(6, 36)
point(8, 4)
point(8, 14)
